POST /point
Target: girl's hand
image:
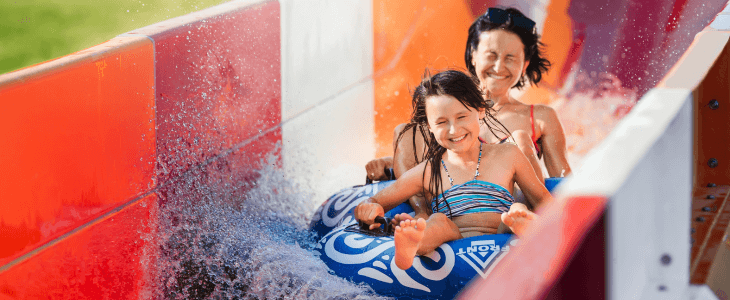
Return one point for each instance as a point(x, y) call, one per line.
point(367, 211)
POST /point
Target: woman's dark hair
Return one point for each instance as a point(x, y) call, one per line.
point(534, 53)
point(463, 88)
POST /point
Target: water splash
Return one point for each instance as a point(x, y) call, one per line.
point(590, 110)
point(241, 239)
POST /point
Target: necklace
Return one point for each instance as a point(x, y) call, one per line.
point(479, 161)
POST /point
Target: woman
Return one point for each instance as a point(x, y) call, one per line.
point(502, 51)
point(493, 55)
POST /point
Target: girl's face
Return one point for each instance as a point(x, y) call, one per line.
point(454, 126)
point(499, 61)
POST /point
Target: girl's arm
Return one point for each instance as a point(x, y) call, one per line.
point(409, 184)
point(528, 181)
point(553, 143)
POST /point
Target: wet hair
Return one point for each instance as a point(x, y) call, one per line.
point(534, 53)
point(463, 88)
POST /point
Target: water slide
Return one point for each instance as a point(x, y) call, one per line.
point(183, 159)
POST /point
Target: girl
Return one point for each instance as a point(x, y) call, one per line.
point(479, 177)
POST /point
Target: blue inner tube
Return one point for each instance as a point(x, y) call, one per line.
point(368, 259)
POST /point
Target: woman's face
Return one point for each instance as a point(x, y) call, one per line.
point(454, 126)
point(499, 61)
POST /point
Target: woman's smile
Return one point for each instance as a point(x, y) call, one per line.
point(497, 77)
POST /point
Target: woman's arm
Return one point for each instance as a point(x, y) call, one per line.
point(553, 142)
point(404, 159)
point(524, 142)
point(376, 168)
point(525, 176)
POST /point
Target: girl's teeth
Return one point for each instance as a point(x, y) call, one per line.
point(458, 139)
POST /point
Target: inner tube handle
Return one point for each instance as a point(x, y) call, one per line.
point(385, 221)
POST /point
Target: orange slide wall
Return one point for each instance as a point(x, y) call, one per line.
point(88, 144)
point(86, 149)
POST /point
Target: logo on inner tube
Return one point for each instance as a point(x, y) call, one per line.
point(482, 255)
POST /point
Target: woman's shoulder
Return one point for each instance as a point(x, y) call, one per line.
point(544, 112)
point(503, 149)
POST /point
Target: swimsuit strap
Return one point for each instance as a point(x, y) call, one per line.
point(479, 161)
point(447, 173)
point(532, 124)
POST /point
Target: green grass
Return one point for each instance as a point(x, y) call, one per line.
point(34, 31)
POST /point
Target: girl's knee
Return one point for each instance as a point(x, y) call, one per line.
point(442, 222)
point(438, 218)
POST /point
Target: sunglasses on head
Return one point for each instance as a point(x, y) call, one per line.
point(501, 16)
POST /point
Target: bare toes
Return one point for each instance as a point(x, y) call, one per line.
point(421, 224)
point(507, 219)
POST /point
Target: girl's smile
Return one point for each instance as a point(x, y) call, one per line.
point(454, 126)
point(459, 139)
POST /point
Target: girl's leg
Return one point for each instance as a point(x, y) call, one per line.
point(418, 237)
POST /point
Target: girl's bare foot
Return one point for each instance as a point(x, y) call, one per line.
point(518, 219)
point(408, 238)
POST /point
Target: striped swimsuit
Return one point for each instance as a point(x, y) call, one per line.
point(473, 196)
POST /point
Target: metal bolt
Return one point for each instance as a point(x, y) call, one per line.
point(711, 184)
point(706, 208)
point(662, 288)
point(700, 219)
point(712, 163)
point(710, 197)
point(714, 104)
point(693, 230)
point(666, 259)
